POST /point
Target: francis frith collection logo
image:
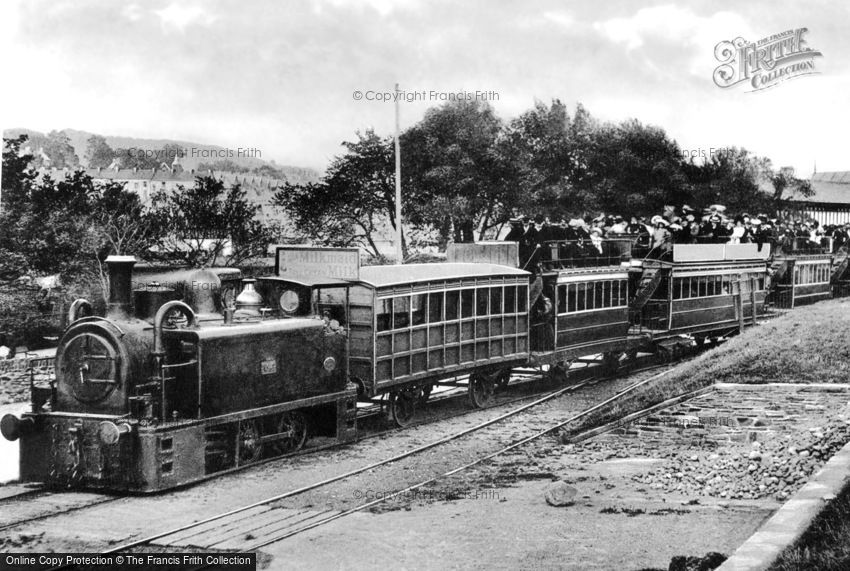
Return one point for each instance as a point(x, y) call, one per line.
point(765, 63)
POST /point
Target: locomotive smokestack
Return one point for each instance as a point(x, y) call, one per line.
point(120, 285)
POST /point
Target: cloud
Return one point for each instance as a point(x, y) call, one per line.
point(181, 16)
point(680, 32)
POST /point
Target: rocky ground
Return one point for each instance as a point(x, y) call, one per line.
point(15, 385)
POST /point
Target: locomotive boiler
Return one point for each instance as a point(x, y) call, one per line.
point(164, 391)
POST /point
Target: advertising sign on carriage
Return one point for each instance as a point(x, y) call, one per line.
point(309, 262)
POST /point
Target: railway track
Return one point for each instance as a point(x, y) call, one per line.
point(526, 382)
point(262, 523)
point(39, 503)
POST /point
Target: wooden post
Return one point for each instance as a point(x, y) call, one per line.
point(399, 252)
point(740, 304)
point(753, 298)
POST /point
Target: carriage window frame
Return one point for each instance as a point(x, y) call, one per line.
point(418, 316)
point(451, 305)
point(482, 301)
point(589, 296)
point(436, 301)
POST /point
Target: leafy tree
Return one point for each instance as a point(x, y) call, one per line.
point(60, 151)
point(628, 168)
point(98, 152)
point(537, 147)
point(17, 178)
point(786, 185)
point(195, 225)
point(455, 178)
point(733, 178)
point(354, 200)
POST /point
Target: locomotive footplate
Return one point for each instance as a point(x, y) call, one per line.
point(120, 453)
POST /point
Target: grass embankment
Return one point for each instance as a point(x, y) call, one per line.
point(806, 345)
point(826, 544)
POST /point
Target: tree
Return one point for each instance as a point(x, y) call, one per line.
point(17, 179)
point(732, 177)
point(98, 153)
point(536, 147)
point(196, 225)
point(627, 168)
point(353, 202)
point(455, 178)
point(784, 181)
point(60, 151)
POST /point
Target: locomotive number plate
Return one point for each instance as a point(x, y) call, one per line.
point(268, 367)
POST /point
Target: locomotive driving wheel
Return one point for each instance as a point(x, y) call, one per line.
point(248, 444)
point(291, 431)
point(481, 388)
point(402, 406)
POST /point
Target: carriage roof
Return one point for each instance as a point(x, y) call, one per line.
point(379, 276)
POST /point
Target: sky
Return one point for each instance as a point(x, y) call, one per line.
point(280, 77)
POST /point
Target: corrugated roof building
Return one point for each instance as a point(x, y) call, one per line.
point(830, 203)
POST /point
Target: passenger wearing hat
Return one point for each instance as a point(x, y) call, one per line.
point(619, 226)
point(528, 245)
point(713, 230)
point(516, 231)
point(660, 234)
point(596, 240)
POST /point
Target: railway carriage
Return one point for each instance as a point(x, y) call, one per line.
point(701, 291)
point(416, 325)
point(803, 279)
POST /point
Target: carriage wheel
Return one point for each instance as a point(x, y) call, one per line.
point(402, 407)
point(557, 373)
point(610, 363)
point(480, 390)
point(425, 393)
point(294, 426)
point(248, 441)
point(503, 377)
point(663, 355)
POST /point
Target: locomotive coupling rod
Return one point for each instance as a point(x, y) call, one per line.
point(13, 427)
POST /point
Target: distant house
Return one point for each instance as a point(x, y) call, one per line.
point(830, 203)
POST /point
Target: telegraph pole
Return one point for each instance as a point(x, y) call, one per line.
point(398, 249)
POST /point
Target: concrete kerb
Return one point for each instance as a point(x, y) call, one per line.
point(789, 523)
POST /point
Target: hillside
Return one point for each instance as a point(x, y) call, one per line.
point(79, 141)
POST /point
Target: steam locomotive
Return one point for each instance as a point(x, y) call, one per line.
point(162, 391)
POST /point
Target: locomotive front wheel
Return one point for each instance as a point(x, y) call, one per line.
point(481, 390)
point(248, 442)
point(292, 429)
point(402, 407)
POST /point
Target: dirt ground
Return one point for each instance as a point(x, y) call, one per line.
point(492, 516)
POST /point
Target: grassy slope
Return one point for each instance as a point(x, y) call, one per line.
point(810, 344)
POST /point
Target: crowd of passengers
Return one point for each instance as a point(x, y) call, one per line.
point(590, 240)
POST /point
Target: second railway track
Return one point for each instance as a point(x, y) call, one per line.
point(270, 520)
